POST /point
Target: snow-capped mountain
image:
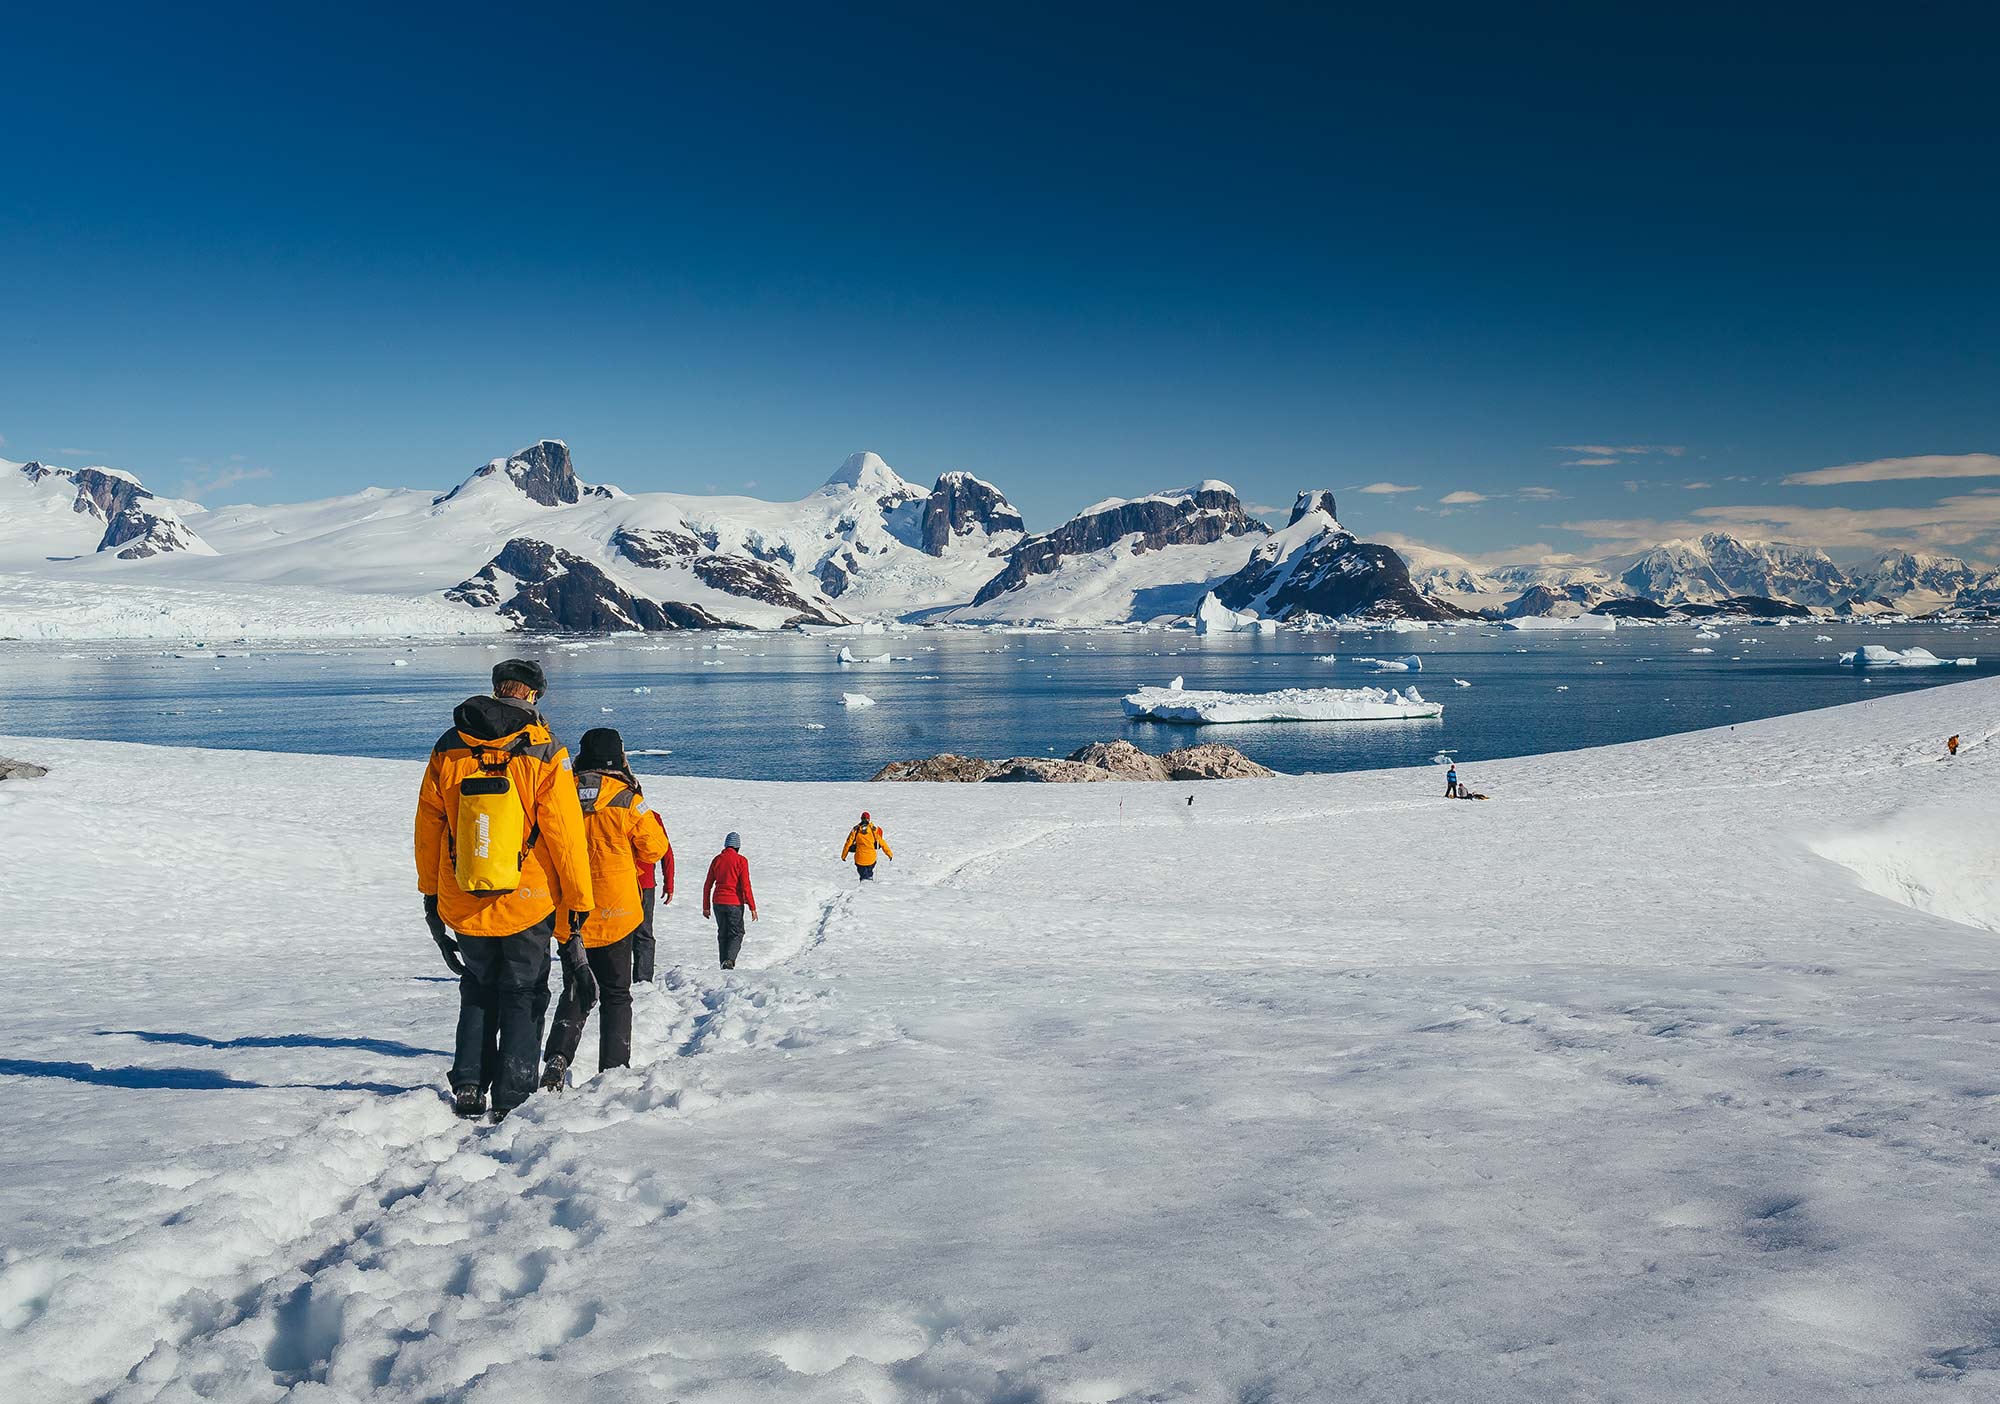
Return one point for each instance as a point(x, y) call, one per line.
point(1914, 581)
point(1315, 566)
point(47, 513)
point(1121, 559)
point(1717, 566)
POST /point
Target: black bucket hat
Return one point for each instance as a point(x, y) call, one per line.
point(601, 749)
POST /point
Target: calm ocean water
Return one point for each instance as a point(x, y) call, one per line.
point(769, 707)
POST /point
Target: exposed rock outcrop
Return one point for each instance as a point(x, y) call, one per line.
point(1089, 765)
point(754, 580)
point(542, 471)
point(1193, 516)
point(654, 549)
point(556, 590)
point(1122, 759)
point(1316, 566)
point(1312, 500)
point(1040, 770)
point(21, 770)
point(946, 769)
point(137, 524)
point(1212, 761)
point(1751, 606)
point(961, 504)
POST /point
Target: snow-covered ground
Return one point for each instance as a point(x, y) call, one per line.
point(1670, 1073)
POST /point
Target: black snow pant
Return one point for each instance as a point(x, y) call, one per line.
point(728, 933)
point(866, 870)
point(642, 940)
point(502, 997)
point(611, 966)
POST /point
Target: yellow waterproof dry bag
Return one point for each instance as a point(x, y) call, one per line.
point(490, 841)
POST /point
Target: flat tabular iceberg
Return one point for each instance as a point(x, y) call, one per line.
point(1598, 623)
point(1292, 704)
point(1876, 656)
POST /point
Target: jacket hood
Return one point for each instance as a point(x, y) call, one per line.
point(488, 718)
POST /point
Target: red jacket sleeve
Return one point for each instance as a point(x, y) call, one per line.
point(666, 863)
point(749, 897)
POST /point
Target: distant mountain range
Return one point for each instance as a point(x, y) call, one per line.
point(524, 542)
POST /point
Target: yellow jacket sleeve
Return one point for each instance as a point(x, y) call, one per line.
point(848, 847)
point(565, 853)
point(649, 840)
point(430, 831)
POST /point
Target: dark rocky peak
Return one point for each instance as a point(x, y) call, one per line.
point(137, 524)
point(655, 549)
point(1192, 516)
point(561, 592)
point(960, 504)
point(34, 472)
point(543, 472)
point(1314, 500)
point(1330, 574)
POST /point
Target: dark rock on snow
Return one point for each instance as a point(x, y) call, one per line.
point(1753, 606)
point(1093, 764)
point(543, 473)
point(559, 591)
point(21, 770)
point(1313, 500)
point(958, 504)
point(1333, 575)
point(1196, 517)
point(1633, 607)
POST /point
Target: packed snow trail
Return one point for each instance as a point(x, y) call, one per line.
point(1633, 1083)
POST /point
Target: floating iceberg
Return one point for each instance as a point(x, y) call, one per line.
point(1212, 616)
point(1408, 663)
point(856, 699)
point(1596, 623)
point(1876, 656)
point(1292, 704)
point(845, 655)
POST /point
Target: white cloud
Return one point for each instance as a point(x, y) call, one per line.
point(1897, 470)
point(1696, 487)
point(1385, 488)
point(227, 477)
point(1461, 499)
point(1537, 494)
point(1539, 552)
point(1608, 455)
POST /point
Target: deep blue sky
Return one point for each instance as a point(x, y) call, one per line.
point(1081, 255)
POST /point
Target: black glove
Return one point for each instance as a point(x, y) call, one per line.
point(447, 947)
point(576, 973)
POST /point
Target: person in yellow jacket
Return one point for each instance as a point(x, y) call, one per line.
point(622, 833)
point(864, 841)
point(500, 850)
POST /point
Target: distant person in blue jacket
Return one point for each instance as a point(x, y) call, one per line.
point(1451, 781)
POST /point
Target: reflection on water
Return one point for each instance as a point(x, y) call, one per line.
point(769, 706)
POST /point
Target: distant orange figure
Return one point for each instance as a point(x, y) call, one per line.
point(1951, 745)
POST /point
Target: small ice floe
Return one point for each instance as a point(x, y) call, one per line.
point(1562, 687)
point(1326, 658)
point(1461, 682)
point(815, 726)
point(856, 700)
point(1408, 663)
point(399, 662)
point(603, 709)
point(1595, 623)
point(1707, 634)
point(1822, 638)
point(1702, 650)
point(1292, 704)
point(642, 691)
point(651, 751)
point(846, 655)
point(1876, 656)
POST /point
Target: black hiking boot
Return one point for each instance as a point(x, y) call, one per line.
point(729, 965)
point(555, 1076)
point(468, 1102)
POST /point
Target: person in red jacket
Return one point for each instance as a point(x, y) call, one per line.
point(642, 939)
point(727, 892)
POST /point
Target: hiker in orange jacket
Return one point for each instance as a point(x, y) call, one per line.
point(727, 892)
point(620, 831)
point(863, 841)
point(498, 769)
